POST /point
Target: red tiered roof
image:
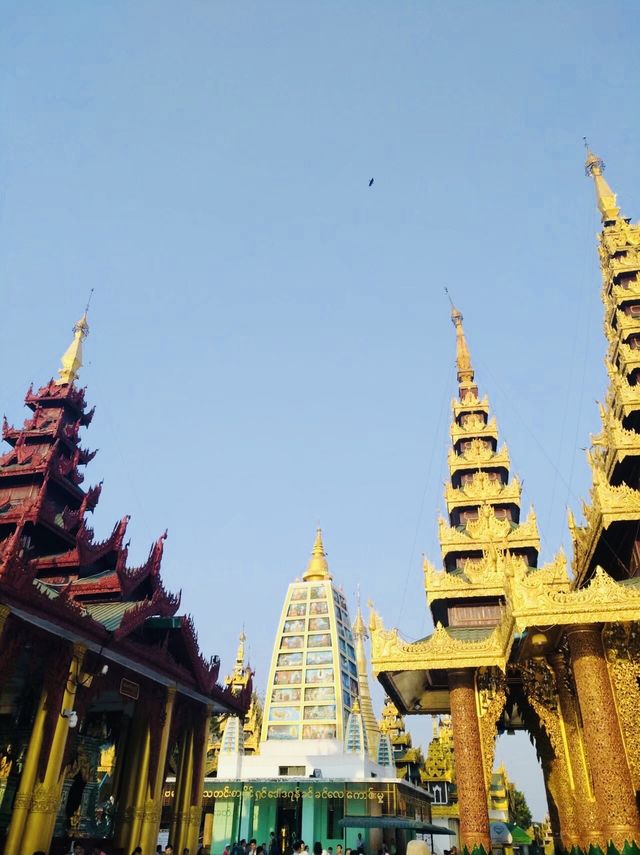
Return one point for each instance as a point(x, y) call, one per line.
point(50, 564)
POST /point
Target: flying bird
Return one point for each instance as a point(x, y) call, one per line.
point(371, 183)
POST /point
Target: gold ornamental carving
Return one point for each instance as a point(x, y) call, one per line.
point(621, 396)
point(195, 816)
point(622, 649)
point(441, 649)
point(470, 775)
point(45, 799)
point(479, 577)
point(488, 529)
point(476, 455)
point(491, 688)
point(471, 403)
point(603, 600)
point(482, 487)
point(438, 765)
point(620, 294)
point(612, 781)
point(616, 442)
point(473, 425)
point(627, 324)
point(585, 809)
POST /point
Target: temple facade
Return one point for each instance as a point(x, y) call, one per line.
point(103, 685)
point(517, 646)
point(323, 770)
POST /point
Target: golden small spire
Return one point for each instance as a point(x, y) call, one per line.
point(605, 197)
point(71, 360)
point(318, 569)
point(359, 628)
point(463, 357)
point(239, 667)
point(356, 706)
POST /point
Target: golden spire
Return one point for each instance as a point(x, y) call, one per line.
point(359, 628)
point(365, 704)
point(318, 568)
point(239, 666)
point(605, 197)
point(463, 357)
point(71, 360)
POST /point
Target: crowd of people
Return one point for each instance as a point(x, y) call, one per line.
point(297, 847)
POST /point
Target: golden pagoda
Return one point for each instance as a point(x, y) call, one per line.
point(360, 635)
point(521, 647)
point(407, 759)
point(237, 681)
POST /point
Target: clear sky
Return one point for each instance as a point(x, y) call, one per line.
point(270, 342)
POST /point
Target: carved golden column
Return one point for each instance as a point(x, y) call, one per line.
point(182, 798)
point(178, 789)
point(39, 826)
point(196, 810)
point(130, 779)
point(22, 801)
point(135, 812)
point(155, 789)
point(586, 817)
point(472, 794)
point(614, 792)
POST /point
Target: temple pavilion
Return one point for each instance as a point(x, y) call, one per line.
point(518, 646)
point(323, 770)
point(103, 684)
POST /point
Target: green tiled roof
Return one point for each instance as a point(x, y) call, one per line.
point(89, 580)
point(465, 633)
point(46, 589)
point(109, 614)
point(470, 633)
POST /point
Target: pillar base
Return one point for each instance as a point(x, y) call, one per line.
point(478, 849)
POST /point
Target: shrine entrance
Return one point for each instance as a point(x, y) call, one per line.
point(289, 822)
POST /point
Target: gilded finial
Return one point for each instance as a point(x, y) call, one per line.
point(359, 627)
point(71, 360)
point(240, 654)
point(605, 197)
point(318, 567)
point(463, 356)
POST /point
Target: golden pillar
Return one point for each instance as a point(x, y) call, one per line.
point(467, 747)
point(130, 779)
point(613, 788)
point(585, 812)
point(155, 788)
point(182, 798)
point(196, 809)
point(135, 813)
point(45, 801)
point(22, 801)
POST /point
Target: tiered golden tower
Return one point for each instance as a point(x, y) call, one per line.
point(519, 647)
point(483, 533)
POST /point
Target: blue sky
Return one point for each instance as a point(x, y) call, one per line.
point(270, 342)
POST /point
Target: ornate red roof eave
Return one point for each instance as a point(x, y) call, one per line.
point(56, 393)
point(133, 577)
point(19, 590)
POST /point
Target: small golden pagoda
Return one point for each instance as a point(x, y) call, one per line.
point(521, 647)
point(408, 760)
point(237, 682)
